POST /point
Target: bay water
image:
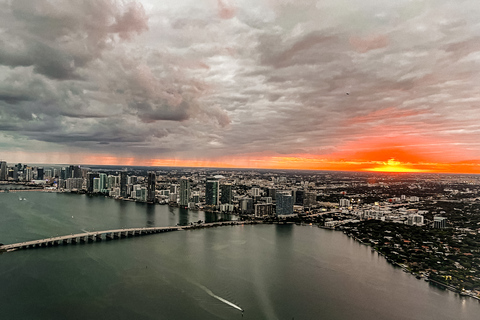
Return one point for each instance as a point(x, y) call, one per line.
point(234, 272)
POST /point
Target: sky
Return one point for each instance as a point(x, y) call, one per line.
point(369, 85)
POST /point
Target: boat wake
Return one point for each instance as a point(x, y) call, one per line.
point(210, 293)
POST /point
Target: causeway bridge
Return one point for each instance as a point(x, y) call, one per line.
point(94, 236)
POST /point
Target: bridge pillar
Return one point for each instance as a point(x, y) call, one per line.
point(90, 238)
point(123, 234)
point(65, 241)
point(130, 233)
point(82, 239)
point(117, 235)
point(109, 236)
point(55, 242)
point(98, 237)
point(73, 240)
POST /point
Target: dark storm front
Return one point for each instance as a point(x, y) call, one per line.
point(269, 271)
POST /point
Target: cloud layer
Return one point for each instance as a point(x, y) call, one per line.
point(230, 80)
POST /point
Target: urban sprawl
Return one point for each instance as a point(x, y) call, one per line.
point(427, 224)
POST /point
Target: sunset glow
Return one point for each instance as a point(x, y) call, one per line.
point(263, 84)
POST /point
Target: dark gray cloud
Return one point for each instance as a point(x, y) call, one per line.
point(224, 78)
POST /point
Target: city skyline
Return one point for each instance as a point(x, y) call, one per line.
point(317, 85)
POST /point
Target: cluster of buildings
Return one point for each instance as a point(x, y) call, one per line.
point(233, 194)
point(251, 193)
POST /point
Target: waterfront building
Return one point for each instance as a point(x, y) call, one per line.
point(103, 182)
point(184, 191)
point(48, 174)
point(63, 174)
point(123, 184)
point(74, 183)
point(151, 186)
point(90, 177)
point(263, 209)
point(96, 185)
point(211, 193)
point(284, 203)
point(61, 184)
point(28, 174)
point(40, 174)
point(227, 207)
point(3, 170)
point(226, 193)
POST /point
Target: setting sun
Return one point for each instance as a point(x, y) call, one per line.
point(394, 166)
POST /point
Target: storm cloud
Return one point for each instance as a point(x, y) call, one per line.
point(217, 78)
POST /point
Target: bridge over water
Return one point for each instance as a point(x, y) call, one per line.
point(94, 236)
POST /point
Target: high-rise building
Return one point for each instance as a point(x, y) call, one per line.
point(439, 222)
point(255, 192)
point(263, 209)
point(123, 184)
point(63, 173)
point(211, 193)
point(103, 182)
point(40, 175)
point(344, 203)
point(90, 177)
point(310, 199)
point(226, 193)
point(96, 185)
point(3, 170)
point(299, 197)
point(75, 172)
point(245, 205)
point(271, 192)
point(151, 186)
point(184, 191)
point(284, 203)
point(28, 174)
point(173, 188)
point(48, 174)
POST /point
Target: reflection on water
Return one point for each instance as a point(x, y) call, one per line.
point(150, 212)
point(183, 218)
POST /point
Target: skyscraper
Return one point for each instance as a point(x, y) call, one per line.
point(184, 191)
point(103, 182)
point(123, 184)
point(151, 185)
point(39, 173)
point(284, 203)
point(3, 170)
point(90, 177)
point(28, 174)
point(211, 193)
point(226, 196)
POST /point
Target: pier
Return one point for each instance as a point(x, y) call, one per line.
point(106, 235)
